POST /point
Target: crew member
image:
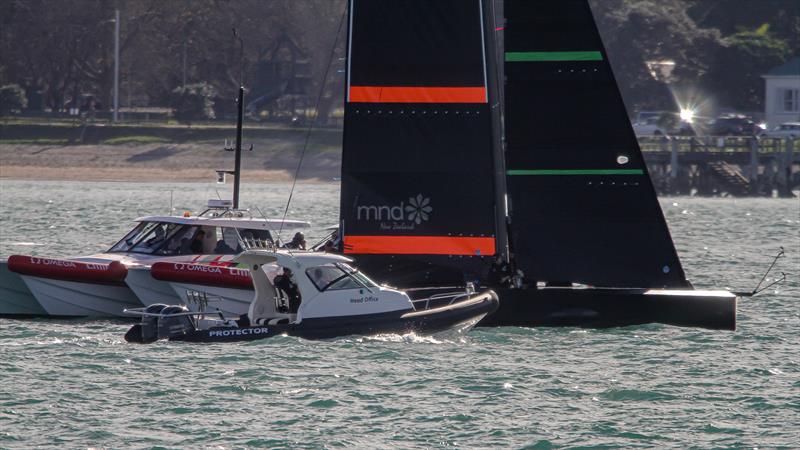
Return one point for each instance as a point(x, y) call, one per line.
point(500, 272)
point(197, 242)
point(285, 283)
point(298, 242)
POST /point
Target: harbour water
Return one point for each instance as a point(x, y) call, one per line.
point(77, 384)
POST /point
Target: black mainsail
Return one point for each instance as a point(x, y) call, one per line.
point(426, 181)
point(582, 206)
point(418, 194)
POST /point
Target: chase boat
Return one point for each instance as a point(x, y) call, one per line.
point(104, 284)
point(335, 300)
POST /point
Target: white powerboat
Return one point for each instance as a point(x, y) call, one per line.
point(15, 297)
point(330, 299)
point(105, 284)
point(226, 289)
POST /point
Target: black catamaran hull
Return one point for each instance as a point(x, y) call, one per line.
point(425, 322)
point(610, 307)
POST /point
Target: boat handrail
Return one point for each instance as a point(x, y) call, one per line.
point(454, 295)
point(438, 288)
point(143, 313)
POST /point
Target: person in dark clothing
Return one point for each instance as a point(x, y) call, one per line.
point(499, 272)
point(197, 242)
point(285, 283)
point(298, 242)
point(222, 248)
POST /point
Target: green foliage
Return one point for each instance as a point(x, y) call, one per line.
point(637, 31)
point(193, 102)
point(735, 73)
point(67, 51)
point(762, 30)
point(12, 98)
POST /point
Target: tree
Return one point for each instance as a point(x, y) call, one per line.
point(637, 31)
point(193, 102)
point(12, 98)
point(735, 75)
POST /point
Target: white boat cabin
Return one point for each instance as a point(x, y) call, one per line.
point(325, 284)
point(200, 235)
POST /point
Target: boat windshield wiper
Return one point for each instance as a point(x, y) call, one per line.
point(334, 281)
point(348, 273)
point(351, 271)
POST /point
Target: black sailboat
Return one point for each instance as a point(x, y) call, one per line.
point(541, 193)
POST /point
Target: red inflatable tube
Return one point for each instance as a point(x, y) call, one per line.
point(64, 269)
point(228, 277)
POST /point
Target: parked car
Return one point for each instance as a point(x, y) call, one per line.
point(650, 127)
point(734, 126)
point(785, 130)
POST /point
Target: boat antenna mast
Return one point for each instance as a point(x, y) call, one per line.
point(237, 149)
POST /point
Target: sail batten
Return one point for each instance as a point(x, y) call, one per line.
point(517, 172)
point(419, 245)
point(554, 56)
point(415, 94)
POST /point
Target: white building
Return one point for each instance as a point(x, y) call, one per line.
point(783, 93)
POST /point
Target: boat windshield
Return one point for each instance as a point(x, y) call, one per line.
point(169, 239)
point(338, 276)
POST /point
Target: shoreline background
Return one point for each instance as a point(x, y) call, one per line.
point(164, 162)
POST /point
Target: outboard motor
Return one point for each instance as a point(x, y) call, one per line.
point(169, 327)
point(150, 323)
point(146, 331)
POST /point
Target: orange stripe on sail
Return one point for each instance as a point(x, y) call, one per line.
point(394, 94)
point(420, 245)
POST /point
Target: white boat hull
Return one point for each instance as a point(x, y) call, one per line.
point(232, 302)
point(148, 289)
point(74, 299)
point(15, 297)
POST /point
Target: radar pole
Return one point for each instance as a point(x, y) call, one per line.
point(237, 167)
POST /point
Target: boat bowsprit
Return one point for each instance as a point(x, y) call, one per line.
point(317, 296)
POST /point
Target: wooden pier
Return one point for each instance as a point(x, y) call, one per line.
point(723, 165)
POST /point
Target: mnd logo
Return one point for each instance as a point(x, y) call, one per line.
point(418, 209)
point(398, 216)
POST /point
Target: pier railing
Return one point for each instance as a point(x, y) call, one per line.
point(723, 165)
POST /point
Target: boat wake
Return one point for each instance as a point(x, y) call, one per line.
point(413, 338)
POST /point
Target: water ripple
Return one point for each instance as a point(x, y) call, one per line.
point(76, 383)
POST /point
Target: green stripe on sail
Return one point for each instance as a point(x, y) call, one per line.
point(553, 56)
point(577, 172)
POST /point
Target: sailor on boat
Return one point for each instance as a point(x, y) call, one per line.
point(288, 288)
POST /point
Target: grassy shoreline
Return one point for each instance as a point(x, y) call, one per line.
point(102, 134)
point(271, 160)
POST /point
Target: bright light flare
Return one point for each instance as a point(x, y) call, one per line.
point(687, 115)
